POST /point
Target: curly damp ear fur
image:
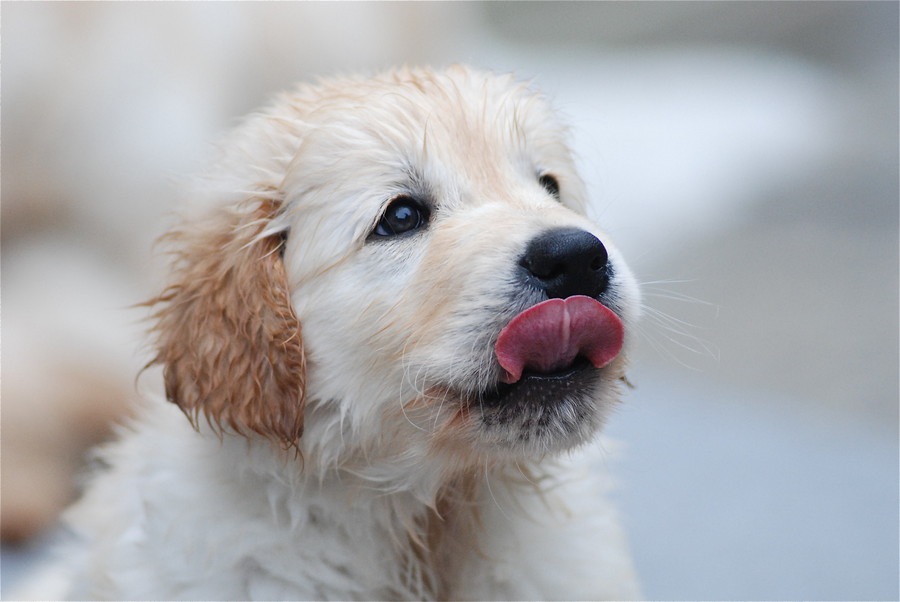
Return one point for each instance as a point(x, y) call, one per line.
point(226, 334)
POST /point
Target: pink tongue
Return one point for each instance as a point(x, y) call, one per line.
point(548, 336)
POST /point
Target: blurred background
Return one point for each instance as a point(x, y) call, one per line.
point(744, 156)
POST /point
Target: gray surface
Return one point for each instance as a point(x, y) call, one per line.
point(731, 495)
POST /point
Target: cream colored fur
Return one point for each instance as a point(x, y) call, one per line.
point(335, 447)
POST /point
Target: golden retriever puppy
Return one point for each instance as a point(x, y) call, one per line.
point(394, 334)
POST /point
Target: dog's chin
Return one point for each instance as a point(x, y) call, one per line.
point(544, 412)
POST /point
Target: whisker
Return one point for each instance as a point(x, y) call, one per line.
point(671, 332)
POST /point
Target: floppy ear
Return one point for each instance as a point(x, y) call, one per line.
point(225, 331)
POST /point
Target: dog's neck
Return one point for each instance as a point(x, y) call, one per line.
point(434, 526)
point(439, 537)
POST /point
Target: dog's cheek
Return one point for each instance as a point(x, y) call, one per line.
point(357, 322)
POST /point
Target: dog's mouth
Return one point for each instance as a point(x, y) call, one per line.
point(552, 357)
point(542, 387)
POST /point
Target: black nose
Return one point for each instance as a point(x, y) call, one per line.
point(566, 262)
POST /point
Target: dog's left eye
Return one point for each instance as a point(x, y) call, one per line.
point(550, 184)
point(404, 214)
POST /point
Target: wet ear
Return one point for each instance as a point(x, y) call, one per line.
point(225, 331)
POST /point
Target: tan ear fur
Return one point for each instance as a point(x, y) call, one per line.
point(226, 334)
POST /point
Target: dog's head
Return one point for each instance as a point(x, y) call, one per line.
point(399, 267)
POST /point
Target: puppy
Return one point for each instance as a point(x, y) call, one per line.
point(393, 333)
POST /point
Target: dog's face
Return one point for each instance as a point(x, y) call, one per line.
point(450, 297)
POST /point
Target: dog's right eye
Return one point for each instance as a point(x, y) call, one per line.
point(403, 214)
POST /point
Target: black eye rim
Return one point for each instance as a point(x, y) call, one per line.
point(392, 225)
point(550, 184)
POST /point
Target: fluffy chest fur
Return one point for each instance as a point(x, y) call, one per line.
point(206, 518)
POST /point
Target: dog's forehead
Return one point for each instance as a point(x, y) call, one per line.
point(470, 124)
point(470, 104)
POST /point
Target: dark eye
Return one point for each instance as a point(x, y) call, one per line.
point(404, 214)
point(550, 184)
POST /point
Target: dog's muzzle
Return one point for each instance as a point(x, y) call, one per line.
point(552, 355)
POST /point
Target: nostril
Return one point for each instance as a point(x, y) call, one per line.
point(542, 266)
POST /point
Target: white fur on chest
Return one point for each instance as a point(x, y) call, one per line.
point(199, 518)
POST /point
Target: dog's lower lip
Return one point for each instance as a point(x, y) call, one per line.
point(530, 378)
